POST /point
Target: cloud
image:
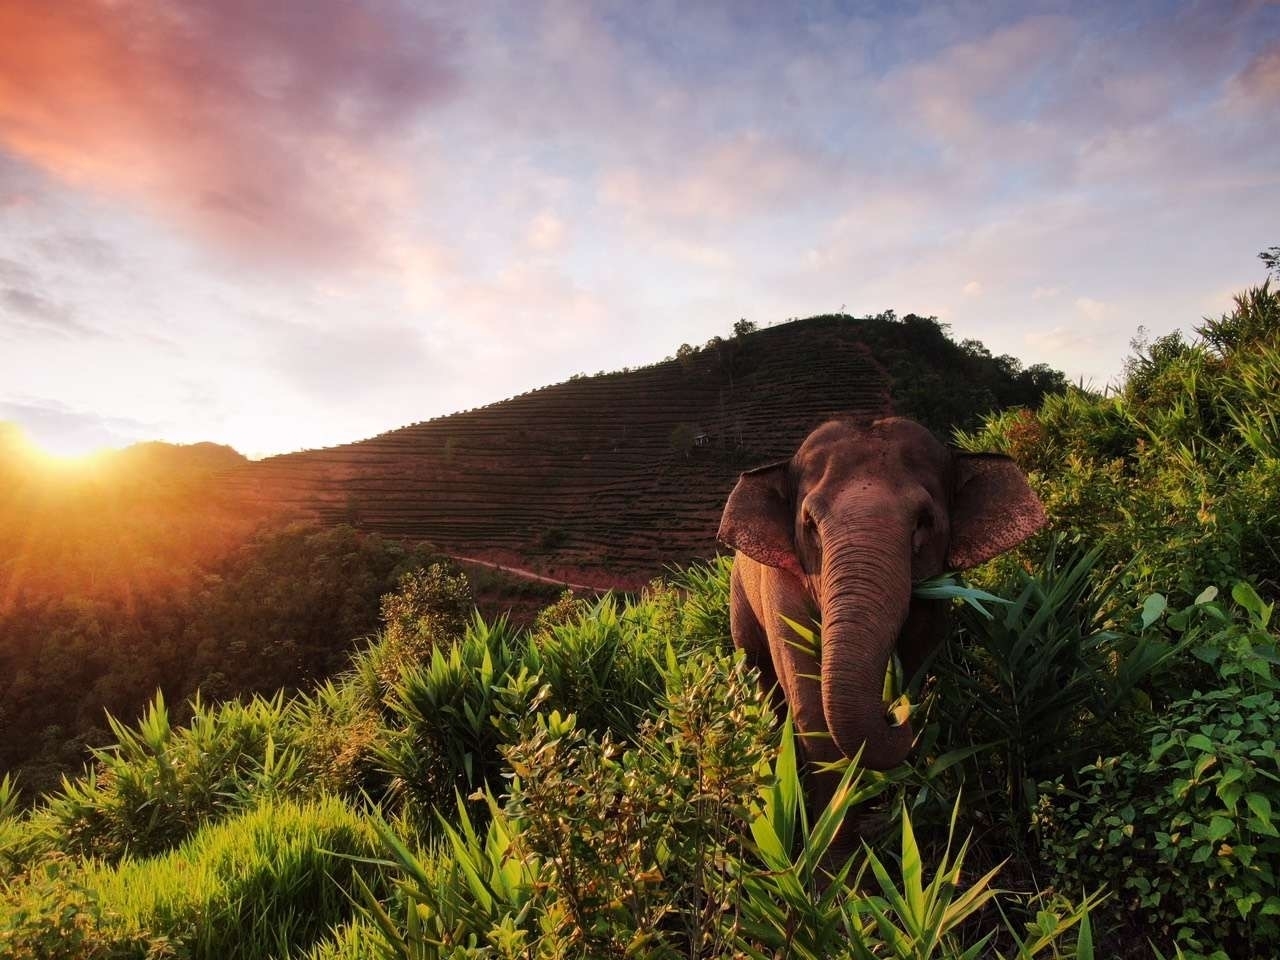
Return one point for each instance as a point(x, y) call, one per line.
point(261, 126)
point(352, 363)
point(60, 428)
point(546, 233)
point(736, 177)
point(15, 273)
point(25, 312)
point(972, 289)
point(703, 255)
point(1093, 310)
point(1045, 293)
point(1059, 339)
point(1258, 84)
point(78, 248)
point(958, 94)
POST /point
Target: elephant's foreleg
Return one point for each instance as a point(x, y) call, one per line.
point(749, 635)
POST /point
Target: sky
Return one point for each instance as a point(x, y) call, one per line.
point(292, 224)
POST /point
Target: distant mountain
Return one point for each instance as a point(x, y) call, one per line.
point(124, 524)
point(606, 479)
point(108, 467)
point(189, 459)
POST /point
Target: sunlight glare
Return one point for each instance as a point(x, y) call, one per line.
point(62, 456)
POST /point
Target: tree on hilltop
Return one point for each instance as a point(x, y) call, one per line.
point(1271, 260)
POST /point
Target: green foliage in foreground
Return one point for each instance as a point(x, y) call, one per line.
point(159, 783)
point(692, 843)
point(1189, 816)
point(1166, 791)
point(631, 797)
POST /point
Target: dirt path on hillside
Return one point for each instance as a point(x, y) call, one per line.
point(529, 574)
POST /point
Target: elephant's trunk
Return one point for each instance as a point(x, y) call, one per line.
point(866, 597)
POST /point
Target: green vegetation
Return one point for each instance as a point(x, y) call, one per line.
point(1150, 764)
point(609, 782)
point(1097, 772)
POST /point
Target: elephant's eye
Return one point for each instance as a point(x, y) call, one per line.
point(810, 527)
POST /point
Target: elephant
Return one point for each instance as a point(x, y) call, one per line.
point(839, 533)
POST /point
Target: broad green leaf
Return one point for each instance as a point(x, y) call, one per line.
point(1207, 595)
point(1244, 594)
point(1259, 805)
point(1152, 607)
point(1219, 828)
point(1199, 741)
point(1203, 764)
point(947, 587)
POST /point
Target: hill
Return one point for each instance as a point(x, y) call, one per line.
point(606, 479)
point(119, 525)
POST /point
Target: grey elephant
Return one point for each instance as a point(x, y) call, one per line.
point(840, 533)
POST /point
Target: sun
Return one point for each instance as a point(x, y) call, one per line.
point(56, 456)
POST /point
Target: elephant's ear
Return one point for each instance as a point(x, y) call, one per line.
point(993, 509)
point(758, 518)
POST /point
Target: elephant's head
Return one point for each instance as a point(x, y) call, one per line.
point(860, 513)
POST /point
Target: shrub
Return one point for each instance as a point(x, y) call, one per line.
point(1183, 826)
point(338, 732)
point(1030, 687)
point(690, 842)
point(350, 941)
point(566, 609)
point(634, 844)
point(14, 832)
point(704, 615)
point(444, 736)
point(157, 784)
point(1180, 467)
point(449, 716)
point(602, 665)
point(431, 607)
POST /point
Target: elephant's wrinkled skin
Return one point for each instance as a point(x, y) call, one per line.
point(839, 533)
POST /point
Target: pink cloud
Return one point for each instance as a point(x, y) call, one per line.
point(741, 176)
point(1258, 84)
point(263, 126)
point(953, 96)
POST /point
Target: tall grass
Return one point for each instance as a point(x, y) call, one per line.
point(157, 784)
point(263, 884)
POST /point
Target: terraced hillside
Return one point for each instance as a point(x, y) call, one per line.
point(606, 479)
